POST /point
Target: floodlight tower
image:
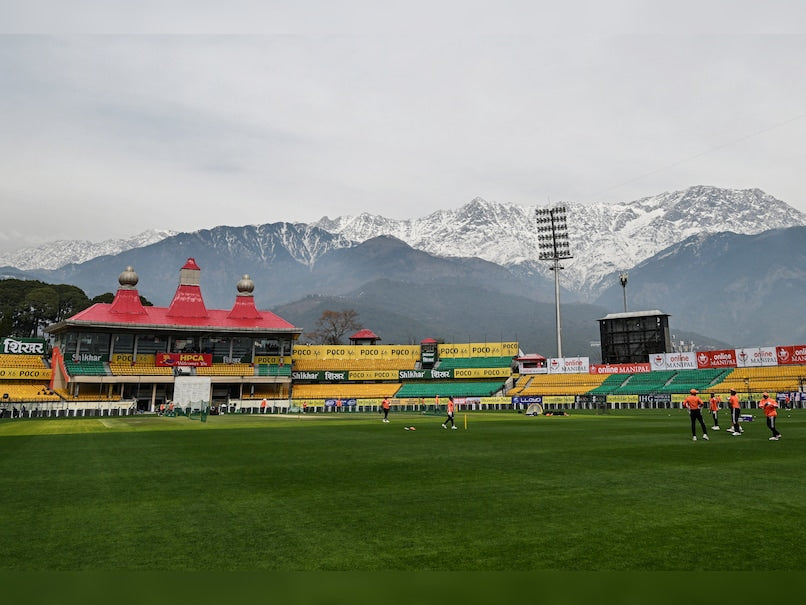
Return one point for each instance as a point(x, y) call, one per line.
point(552, 241)
point(622, 277)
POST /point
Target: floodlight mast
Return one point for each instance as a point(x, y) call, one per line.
point(552, 241)
point(623, 279)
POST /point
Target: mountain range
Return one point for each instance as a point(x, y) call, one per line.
point(727, 265)
point(605, 239)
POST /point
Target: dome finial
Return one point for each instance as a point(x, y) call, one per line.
point(128, 279)
point(245, 286)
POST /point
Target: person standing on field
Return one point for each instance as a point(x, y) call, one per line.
point(450, 415)
point(385, 405)
point(695, 405)
point(714, 403)
point(735, 410)
point(770, 411)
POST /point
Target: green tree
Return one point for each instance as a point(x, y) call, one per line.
point(40, 308)
point(27, 306)
point(71, 300)
point(11, 293)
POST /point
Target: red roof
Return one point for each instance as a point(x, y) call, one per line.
point(244, 308)
point(159, 316)
point(186, 309)
point(364, 335)
point(187, 302)
point(127, 302)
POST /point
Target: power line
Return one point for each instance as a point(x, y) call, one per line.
point(702, 153)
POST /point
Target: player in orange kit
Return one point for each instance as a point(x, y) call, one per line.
point(770, 407)
point(694, 405)
point(735, 410)
point(714, 402)
point(450, 415)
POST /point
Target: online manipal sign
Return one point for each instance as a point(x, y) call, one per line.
point(791, 355)
point(569, 365)
point(716, 359)
point(756, 356)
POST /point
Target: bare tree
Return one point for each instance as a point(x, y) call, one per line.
point(333, 325)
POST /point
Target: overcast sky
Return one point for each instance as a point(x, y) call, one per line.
point(117, 117)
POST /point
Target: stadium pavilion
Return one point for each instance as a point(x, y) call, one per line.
point(124, 350)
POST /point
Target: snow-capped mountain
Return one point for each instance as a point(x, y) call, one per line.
point(605, 238)
point(59, 253)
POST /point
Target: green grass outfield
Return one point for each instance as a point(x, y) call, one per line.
point(624, 491)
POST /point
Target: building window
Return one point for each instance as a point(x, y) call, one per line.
point(94, 343)
point(242, 348)
point(123, 344)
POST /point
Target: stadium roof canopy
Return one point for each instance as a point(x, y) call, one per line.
point(186, 311)
point(631, 314)
point(365, 334)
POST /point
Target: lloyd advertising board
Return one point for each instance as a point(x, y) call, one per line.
point(527, 399)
